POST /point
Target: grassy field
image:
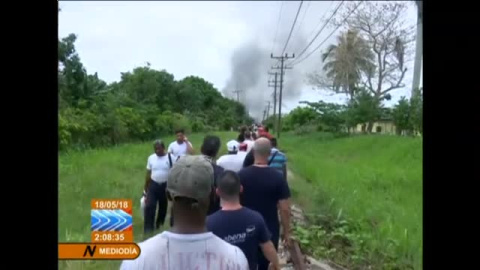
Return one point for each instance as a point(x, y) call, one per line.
point(373, 181)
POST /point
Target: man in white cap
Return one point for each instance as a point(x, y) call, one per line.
point(233, 161)
point(188, 244)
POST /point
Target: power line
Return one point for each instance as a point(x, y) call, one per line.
point(293, 26)
point(302, 18)
point(305, 14)
point(321, 29)
point(321, 19)
point(276, 29)
point(321, 43)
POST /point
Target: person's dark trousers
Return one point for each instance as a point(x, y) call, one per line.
point(262, 261)
point(155, 195)
point(161, 214)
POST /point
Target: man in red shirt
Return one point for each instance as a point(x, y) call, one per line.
point(263, 131)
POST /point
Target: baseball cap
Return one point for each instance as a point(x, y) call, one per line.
point(232, 146)
point(191, 177)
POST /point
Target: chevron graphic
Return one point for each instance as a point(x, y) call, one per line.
point(110, 220)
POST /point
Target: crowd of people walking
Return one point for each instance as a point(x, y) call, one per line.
point(224, 212)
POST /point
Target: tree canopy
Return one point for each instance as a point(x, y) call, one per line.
point(144, 104)
point(373, 52)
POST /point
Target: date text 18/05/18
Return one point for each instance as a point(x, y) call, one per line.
point(111, 204)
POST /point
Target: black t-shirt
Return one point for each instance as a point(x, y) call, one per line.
point(263, 187)
point(243, 228)
point(214, 200)
point(249, 159)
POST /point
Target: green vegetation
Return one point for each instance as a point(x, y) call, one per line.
point(117, 172)
point(363, 194)
point(144, 104)
point(363, 108)
point(408, 114)
point(364, 197)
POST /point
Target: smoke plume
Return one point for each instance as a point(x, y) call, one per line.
point(250, 64)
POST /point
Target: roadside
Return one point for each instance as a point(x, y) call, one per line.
point(298, 218)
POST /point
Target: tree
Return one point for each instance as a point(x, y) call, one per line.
point(408, 114)
point(298, 117)
point(382, 25)
point(365, 109)
point(344, 63)
point(330, 115)
point(401, 116)
point(144, 104)
point(73, 84)
point(416, 110)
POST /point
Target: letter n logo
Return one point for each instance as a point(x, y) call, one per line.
point(90, 251)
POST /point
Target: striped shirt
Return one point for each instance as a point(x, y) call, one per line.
point(278, 161)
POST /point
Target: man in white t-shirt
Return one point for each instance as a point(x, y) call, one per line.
point(158, 167)
point(181, 146)
point(188, 245)
point(233, 161)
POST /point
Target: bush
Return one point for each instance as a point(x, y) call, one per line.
point(304, 129)
point(197, 126)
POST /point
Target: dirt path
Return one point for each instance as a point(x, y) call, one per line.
point(298, 217)
point(290, 175)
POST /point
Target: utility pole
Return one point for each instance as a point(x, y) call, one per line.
point(264, 112)
point(268, 109)
point(418, 47)
point(238, 96)
point(282, 68)
point(275, 83)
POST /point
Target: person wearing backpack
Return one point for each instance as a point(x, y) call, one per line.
point(266, 191)
point(277, 159)
point(158, 168)
point(209, 151)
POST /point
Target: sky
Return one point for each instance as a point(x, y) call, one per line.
point(228, 43)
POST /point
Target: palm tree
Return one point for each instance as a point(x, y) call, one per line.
point(345, 62)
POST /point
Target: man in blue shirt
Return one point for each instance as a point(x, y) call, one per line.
point(277, 159)
point(239, 225)
point(265, 189)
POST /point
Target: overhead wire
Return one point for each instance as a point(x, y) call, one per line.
point(320, 31)
point(276, 29)
point(322, 18)
point(304, 14)
point(293, 26)
point(302, 19)
point(321, 43)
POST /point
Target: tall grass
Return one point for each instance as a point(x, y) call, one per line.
point(374, 181)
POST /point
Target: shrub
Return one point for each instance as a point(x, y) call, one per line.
point(304, 129)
